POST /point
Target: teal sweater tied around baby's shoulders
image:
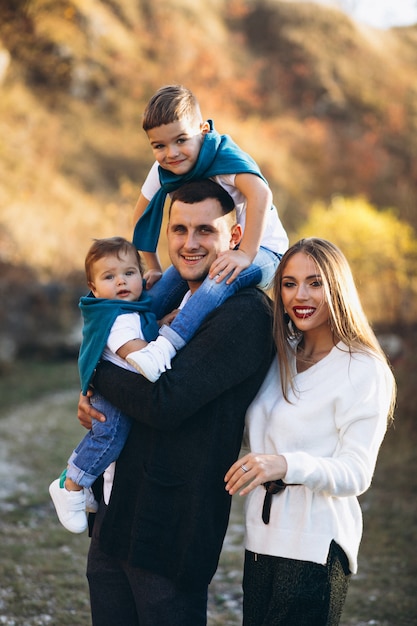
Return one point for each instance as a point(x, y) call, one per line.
point(99, 315)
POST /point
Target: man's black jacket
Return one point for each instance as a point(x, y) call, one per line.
point(169, 510)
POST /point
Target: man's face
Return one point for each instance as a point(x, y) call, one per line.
point(197, 233)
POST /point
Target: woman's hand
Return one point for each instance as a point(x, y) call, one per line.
point(253, 470)
point(86, 412)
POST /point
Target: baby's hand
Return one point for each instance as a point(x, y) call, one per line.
point(151, 277)
point(231, 261)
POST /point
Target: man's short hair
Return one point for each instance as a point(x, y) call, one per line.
point(199, 190)
point(171, 104)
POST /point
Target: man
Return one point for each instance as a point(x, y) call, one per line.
point(155, 546)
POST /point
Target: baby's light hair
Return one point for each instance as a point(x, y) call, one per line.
point(110, 246)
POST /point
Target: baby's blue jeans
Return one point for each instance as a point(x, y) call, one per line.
point(100, 446)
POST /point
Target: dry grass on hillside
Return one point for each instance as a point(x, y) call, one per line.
point(299, 98)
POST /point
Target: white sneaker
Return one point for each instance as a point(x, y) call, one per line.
point(70, 507)
point(154, 359)
point(91, 504)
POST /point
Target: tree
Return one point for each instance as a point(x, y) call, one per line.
point(382, 252)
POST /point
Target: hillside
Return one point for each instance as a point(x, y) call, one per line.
point(326, 107)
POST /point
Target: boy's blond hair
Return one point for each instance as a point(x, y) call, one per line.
point(171, 104)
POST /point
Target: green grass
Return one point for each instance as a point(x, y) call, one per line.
point(384, 589)
point(42, 568)
point(27, 381)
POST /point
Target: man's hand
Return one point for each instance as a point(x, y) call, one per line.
point(169, 318)
point(86, 412)
point(231, 261)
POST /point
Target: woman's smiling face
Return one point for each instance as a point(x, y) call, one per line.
point(303, 294)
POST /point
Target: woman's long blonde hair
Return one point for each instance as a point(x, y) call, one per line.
point(346, 316)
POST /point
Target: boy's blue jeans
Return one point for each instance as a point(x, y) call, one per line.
point(101, 445)
point(169, 290)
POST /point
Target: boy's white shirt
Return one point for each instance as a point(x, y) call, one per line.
point(274, 238)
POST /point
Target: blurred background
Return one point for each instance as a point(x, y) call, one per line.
point(326, 104)
point(322, 94)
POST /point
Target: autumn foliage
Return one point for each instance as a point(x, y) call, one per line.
point(327, 108)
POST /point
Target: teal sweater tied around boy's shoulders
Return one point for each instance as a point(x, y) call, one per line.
point(219, 154)
point(99, 315)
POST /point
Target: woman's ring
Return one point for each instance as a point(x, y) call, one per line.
point(244, 468)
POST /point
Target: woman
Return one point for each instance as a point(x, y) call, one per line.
point(314, 431)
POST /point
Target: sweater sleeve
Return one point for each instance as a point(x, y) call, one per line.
point(233, 343)
point(360, 412)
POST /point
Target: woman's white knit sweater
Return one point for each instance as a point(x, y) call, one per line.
point(330, 434)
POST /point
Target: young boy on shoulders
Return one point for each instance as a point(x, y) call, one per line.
point(188, 148)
